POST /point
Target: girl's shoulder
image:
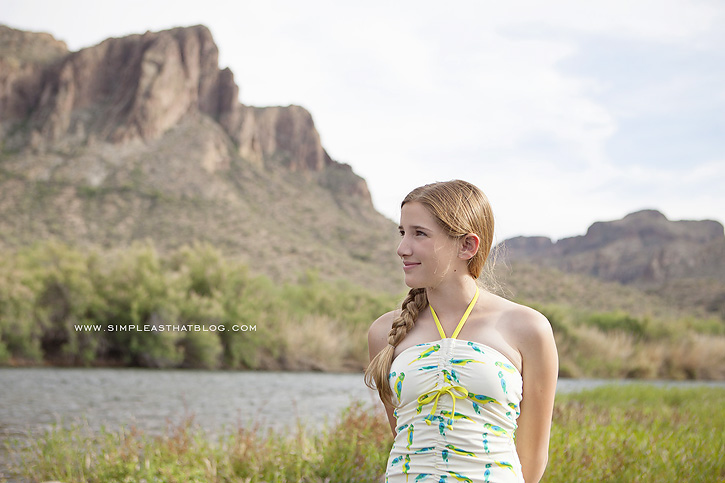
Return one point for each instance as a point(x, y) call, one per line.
point(378, 332)
point(528, 330)
point(521, 323)
point(519, 312)
point(384, 323)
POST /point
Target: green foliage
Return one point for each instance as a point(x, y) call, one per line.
point(190, 308)
point(355, 305)
point(714, 327)
point(638, 433)
point(18, 332)
point(187, 308)
point(201, 350)
point(618, 322)
point(137, 292)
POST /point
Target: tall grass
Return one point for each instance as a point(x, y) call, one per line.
point(637, 433)
point(351, 451)
point(628, 433)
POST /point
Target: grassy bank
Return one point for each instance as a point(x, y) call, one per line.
point(633, 433)
point(57, 303)
point(638, 434)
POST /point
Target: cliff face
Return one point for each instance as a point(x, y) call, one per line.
point(120, 90)
point(682, 262)
point(23, 58)
point(642, 248)
point(144, 137)
point(137, 88)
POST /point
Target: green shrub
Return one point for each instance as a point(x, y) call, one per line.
point(201, 350)
point(610, 322)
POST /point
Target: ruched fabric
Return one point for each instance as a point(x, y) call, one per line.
point(456, 417)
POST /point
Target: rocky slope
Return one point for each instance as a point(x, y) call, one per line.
point(143, 137)
point(683, 261)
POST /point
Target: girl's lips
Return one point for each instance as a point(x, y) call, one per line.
point(409, 265)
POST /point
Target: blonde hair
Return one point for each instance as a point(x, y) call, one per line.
point(460, 208)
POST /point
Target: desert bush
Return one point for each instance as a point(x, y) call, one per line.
point(611, 322)
point(61, 304)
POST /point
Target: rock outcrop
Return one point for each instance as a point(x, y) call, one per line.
point(24, 56)
point(144, 137)
point(643, 248)
point(138, 87)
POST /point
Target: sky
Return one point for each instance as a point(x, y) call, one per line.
point(563, 112)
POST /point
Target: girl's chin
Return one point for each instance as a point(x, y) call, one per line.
point(411, 282)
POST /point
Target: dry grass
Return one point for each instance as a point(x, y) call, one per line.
point(698, 357)
point(589, 352)
point(317, 343)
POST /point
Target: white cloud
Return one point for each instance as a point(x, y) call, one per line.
point(500, 94)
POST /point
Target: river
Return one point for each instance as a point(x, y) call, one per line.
point(33, 399)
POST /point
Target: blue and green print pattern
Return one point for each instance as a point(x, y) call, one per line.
point(463, 434)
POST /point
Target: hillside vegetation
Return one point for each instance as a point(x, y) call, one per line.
point(526, 281)
point(190, 308)
point(195, 308)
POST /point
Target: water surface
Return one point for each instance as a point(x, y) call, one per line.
point(33, 399)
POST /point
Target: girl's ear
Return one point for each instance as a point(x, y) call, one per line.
point(469, 246)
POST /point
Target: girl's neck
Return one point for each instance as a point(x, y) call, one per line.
point(451, 298)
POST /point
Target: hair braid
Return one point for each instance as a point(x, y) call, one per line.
point(377, 372)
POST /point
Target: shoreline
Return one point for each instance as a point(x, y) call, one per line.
point(15, 364)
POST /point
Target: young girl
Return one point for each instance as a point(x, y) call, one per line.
point(460, 370)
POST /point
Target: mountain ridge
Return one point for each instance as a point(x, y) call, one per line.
point(676, 259)
point(143, 137)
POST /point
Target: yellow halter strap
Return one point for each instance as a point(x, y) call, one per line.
point(460, 324)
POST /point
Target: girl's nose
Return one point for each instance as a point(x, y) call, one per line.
point(403, 248)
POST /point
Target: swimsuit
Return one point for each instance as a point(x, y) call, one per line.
point(457, 405)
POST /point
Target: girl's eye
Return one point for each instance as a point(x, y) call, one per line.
point(420, 233)
point(402, 233)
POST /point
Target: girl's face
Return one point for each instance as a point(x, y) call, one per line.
point(429, 254)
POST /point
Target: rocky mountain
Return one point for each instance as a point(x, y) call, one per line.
point(683, 261)
point(144, 138)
